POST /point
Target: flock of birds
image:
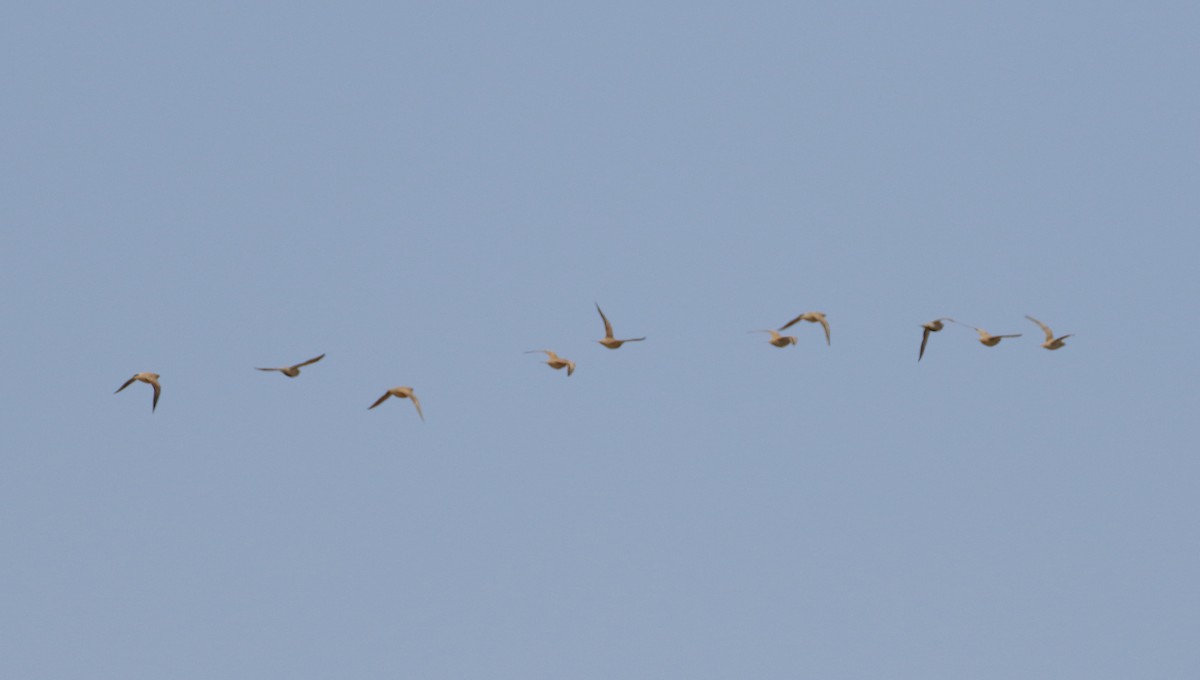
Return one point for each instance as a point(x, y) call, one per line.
point(611, 342)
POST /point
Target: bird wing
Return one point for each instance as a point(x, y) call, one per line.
point(924, 339)
point(789, 324)
point(127, 384)
point(268, 369)
point(1045, 329)
point(310, 361)
point(634, 340)
point(157, 391)
point(608, 331)
point(417, 402)
point(380, 400)
point(825, 325)
point(1017, 335)
point(570, 368)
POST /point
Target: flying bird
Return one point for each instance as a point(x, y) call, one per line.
point(931, 327)
point(991, 340)
point(293, 371)
point(554, 361)
point(812, 317)
point(1051, 341)
point(403, 393)
point(777, 339)
point(609, 341)
point(149, 379)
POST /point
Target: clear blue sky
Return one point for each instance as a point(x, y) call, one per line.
point(425, 191)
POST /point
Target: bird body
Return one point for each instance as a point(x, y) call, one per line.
point(931, 327)
point(402, 393)
point(149, 379)
point(1051, 341)
point(989, 340)
point(554, 361)
point(777, 339)
point(293, 371)
point(609, 340)
point(811, 317)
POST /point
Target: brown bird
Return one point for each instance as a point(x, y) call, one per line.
point(1051, 341)
point(149, 379)
point(293, 371)
point(609, 341)
point(403, 393)
point(991, 340)
point(554, 361)
point(777, 339)
point(813, 317)
point(931, 327)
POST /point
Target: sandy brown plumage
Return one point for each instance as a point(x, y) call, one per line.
point(294, 370)
point(811, 317)
point(931, 327)
point(1051, 341)
point(149, 379)
point(402, 393)
point(554, 361)
point(777, 339)
point(609, 340)
point(989, 340)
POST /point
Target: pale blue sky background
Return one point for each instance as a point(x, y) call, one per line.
point(424, 191)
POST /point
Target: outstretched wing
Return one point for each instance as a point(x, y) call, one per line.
point(310, 361)
point(268, 369)
point(380, 400)
point(825, 325)
point(608, 331)
point(789, 324)
point(924, 339)
point(417, 402)
point(127, 384)
point(157, 391)
point(1045, 329)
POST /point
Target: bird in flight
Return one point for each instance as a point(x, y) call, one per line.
point(1051, 341)
point(812, 317)
point(609, 341)
point(991, 340)
point(554, 361)
point(777, 339)
point(931, 327)
point(403, 393)
point(149, 379)
point(293, 371)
